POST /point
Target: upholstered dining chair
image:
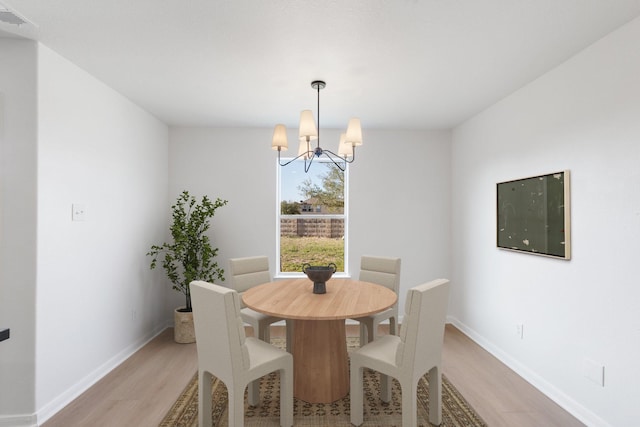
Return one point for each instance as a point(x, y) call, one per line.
point(383, 271)
point(249, 272)
point(407, 357)
point(238, 361)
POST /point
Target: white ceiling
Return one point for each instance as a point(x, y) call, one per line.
point(414, 64)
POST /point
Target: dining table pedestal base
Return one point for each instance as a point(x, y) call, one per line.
point(320, 360)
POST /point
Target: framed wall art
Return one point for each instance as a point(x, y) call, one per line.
point(533, 215)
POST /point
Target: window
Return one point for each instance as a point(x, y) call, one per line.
point(311, 220)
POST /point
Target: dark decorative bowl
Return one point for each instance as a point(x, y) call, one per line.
point(319, 276)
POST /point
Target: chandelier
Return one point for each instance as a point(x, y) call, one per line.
point(308, 132)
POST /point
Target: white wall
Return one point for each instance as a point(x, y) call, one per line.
point(97, 300)
point(18, 228)
point(582, 116)
point(400, 198)
point(397, 207)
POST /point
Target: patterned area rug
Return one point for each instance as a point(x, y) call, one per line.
point(456, 412)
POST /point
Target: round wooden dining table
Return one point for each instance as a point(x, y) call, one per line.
point(320, 360)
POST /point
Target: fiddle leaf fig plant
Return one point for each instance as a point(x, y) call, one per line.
point(190, 255)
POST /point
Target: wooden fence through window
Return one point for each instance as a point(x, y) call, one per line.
point(312, 227)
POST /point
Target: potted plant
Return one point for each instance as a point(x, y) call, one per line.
point(189, 256)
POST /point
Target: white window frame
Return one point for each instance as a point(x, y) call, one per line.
point(344, 216)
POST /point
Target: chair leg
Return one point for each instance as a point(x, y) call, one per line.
point(435, 396)
point(236, 406)
point(393, 327)
point(286, 396)
point(372, 329)
point(264, 333)
point(253, 398)
point(363, 334)
point(289, 328)
point(385, 388)
point(409, 408)
point(356, 391)
point(367, 332)
point(205, 399)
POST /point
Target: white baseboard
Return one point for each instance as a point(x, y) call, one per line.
point(18, 421)
point(562, 399)
point(55, 405)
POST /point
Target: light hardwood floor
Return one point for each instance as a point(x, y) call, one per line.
point(141, 390)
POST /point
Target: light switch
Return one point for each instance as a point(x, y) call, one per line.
point(78, 212)
point(593, 371)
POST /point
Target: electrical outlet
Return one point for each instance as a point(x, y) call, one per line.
point(520, 330)
point(78, 212)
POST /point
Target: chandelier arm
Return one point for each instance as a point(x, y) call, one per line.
point(307, 153)
point(331, 155)
point(344, 159)
point(307, 167)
